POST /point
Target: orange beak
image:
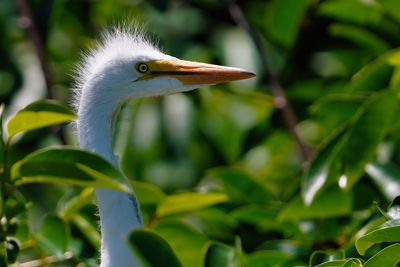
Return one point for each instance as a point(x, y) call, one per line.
point(192, 73)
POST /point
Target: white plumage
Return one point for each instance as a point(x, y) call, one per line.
point(122, 66)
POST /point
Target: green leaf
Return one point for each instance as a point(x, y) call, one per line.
point(341, 263)
point(372, 122)
point(284, 20)
point(388, 232)
point(361, 37)
point(391, 7)
point(388, 256)
point(318, 257)
point(374, 75)
point(261, 216)
point(53, 236)
point(320, 168)
point(87, 229)
point(221, 255)
point(189, 245)
point(147, 193)
point(260, 258)
point(331, 203)
point(386, 178)
point(152, 250)
point(75, 204)
point(37, 115)
point(185, 202)
point(240, 186)
point(360, 12)
point(68, 166)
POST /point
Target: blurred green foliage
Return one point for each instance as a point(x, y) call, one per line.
point(217, 172)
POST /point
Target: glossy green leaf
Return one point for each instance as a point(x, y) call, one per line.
point(221, 255)
point(341, 263)
point(321, 207)
point(189, 245)
point(320, 168)
point(388, 232)
point(68, 166)
point(186, 202)
point(386, 177)
point(37, 115)
point(152, 250)
point(283, 22)
point(319, 257)
point(53, 236)
point(372, 122)
point(241, 186)
point(388, 256)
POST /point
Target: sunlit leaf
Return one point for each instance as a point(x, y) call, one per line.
point(185, 202)
point(388, 256)
point(68, 166)
point(147, 193)
point(37, 115)
point(152, 250)
point(53, 236)
point(388, 232)
point(189, 245)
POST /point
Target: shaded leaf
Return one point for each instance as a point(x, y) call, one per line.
point(360, 36)
point(87, 229)
point(221, 255)
point(68, 166)
point(386, 177)
point(372, 122)
point(283, 22)
point(152, 250)
point(240, 186)
point(37, 115)
point(185, 202)
point(53, 236)
point(321, 207)
point(320, 168)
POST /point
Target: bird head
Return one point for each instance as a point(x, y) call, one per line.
point(126, 65)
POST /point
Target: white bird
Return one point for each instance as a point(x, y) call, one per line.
point(125, 65)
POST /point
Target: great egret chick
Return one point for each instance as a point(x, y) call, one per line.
point(125, 65)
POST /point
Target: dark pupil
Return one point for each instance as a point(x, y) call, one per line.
point(142, 67)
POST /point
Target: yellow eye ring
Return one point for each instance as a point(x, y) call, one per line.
point(142, 67)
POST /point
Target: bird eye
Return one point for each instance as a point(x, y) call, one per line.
point(142, 67)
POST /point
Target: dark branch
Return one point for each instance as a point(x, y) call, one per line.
point(278, 92)
point(27, 22)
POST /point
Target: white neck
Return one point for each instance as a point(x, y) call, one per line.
point(119, 212)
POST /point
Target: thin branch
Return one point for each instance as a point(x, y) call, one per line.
point(278, 92)
point(27, 22)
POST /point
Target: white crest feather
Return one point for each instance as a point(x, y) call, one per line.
point(122, 41)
